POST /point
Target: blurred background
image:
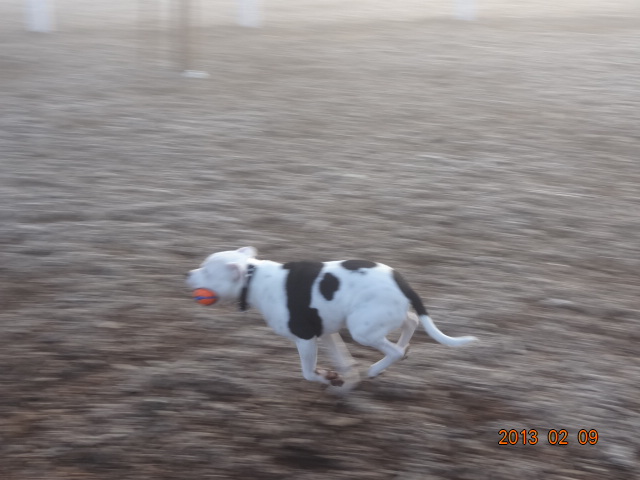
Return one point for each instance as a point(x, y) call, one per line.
point(490, 154)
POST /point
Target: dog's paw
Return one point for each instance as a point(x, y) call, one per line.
point(336, 382)
point(347, 382)
point(332, 377)
point(406, 352)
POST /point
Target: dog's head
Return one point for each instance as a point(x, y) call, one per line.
point(223, 273)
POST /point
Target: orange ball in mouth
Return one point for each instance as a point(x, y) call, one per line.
point(205, 296)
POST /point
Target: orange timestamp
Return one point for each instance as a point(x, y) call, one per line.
point(554, 437)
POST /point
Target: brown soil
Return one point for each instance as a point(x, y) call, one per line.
point(495, 164)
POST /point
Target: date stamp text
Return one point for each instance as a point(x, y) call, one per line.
point(554, 437)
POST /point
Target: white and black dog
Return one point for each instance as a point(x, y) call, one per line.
point(307, 301)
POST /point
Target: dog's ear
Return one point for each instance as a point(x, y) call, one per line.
point(236, 270)
point(250, 252)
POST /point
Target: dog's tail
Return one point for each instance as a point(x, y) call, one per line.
point(440, 337)
point(427, 323)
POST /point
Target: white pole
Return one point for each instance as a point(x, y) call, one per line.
point(249, 13)
point(184, 34)
point(40, 16)
point(185, 40)
point(465, 9)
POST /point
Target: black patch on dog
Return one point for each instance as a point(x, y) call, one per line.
point(304, 321)
point(358, 264)
point(408, 292)
point(328, 285)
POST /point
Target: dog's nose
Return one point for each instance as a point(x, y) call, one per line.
point(187, 275)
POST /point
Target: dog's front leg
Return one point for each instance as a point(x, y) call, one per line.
point(308, 350)
point(343, 361)
point(339, 352)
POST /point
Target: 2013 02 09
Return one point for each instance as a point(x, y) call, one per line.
point(560, 436)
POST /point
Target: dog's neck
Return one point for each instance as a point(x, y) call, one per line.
point(243, 304)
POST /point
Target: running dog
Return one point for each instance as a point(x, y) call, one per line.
point(307, 301)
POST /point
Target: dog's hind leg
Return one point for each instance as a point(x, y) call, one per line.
point(392, 353)
point(308, 350)
point(370, 328)
point(408, 328)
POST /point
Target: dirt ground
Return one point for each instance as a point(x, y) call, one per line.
point(493, 163)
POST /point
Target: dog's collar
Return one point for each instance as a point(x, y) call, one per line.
point(243, 305)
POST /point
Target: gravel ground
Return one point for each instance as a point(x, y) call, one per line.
point(495, 164)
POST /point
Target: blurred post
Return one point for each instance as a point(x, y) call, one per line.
point(465, 9)
point(185, 34)
point(249, 13)
point(183, 29)
point(40, 16)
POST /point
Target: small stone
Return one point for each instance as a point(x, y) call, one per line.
point(340, 421)
point(109, 324)
point(622, 455)
point(557, 303)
